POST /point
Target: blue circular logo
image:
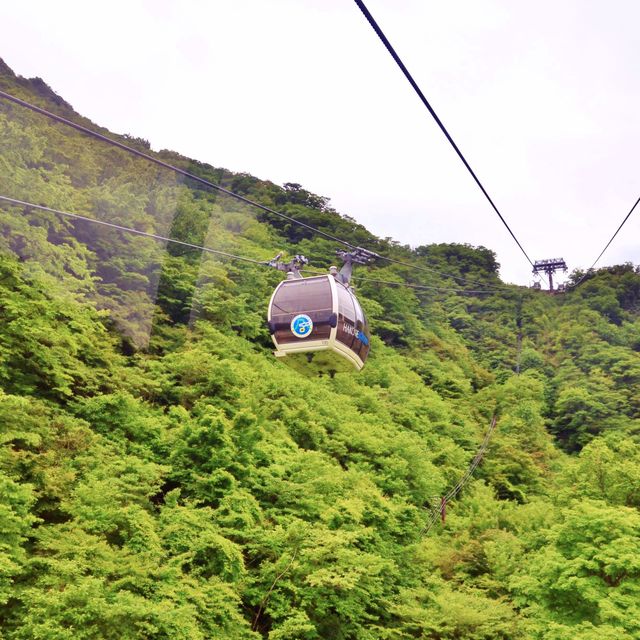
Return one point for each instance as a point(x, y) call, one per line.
point(301, 326)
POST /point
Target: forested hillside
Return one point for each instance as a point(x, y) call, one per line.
point(163, 476)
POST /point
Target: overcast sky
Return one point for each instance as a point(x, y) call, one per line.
point(542, 97)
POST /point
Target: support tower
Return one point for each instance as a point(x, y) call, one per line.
point(550, 267)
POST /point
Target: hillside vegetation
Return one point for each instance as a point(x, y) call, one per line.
point(162, 476)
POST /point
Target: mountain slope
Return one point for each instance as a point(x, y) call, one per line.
point(163, 476)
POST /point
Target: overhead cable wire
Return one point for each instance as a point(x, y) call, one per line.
point(119, 227)
point(146, 234)
point(411, 285)
point(441, 273)
point(395, 283)
point(166, 165)
point(414, 84)
point(586, 273)
point(217, 187)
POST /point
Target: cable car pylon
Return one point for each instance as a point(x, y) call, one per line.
point(550, 266)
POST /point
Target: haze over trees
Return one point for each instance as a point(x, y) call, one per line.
point(162, 476)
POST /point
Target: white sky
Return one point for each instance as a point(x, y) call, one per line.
point(543, 99)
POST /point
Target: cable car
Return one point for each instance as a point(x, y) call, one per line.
point(316, 323)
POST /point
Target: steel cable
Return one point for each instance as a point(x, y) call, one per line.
point(147, 234)
point(414, 84)
point(213, 185)
point(586, 273)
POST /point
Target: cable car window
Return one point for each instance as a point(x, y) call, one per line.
point(311, 297)
point(359, 314)
point(345, 304)
point(364, 346)
point(297, 296)
point(361, 346)
point(346, 317)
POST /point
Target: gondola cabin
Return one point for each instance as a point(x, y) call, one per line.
point(317, 324)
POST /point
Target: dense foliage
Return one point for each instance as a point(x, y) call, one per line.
point(163, 476)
